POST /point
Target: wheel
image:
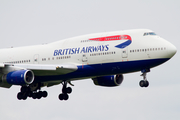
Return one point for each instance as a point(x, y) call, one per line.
point(30, 94)
point(44, 94)
point(69, 90)
point(61, 96)
point(39, 95)
point(65, 96)
point(24, 97)
point(34, 95)
point(146, 83)
point(142, 83)
point(19, 96)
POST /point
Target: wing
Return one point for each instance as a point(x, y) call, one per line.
point(40, 69)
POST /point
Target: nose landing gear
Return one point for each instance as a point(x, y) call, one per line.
point(144, 82)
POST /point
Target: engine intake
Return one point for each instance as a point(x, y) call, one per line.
point(19, 77)
point(108, 81)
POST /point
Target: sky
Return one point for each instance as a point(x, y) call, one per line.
point(31, 22)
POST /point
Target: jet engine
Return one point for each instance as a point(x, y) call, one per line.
point(19, 77)
point(108, 81)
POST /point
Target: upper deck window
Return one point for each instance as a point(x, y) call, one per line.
point(149, 33)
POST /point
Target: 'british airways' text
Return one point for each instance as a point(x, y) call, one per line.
point(89, 49)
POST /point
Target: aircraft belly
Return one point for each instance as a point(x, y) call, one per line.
point(89, 71)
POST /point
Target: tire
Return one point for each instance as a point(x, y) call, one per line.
point(19, 96)
point(69, 90)
point(61, 96)
point(66, 97)
point(30, 94)
point(39, 95)
point(142, 83)
point(44, 94)
point(24, 97)
point(34, 95)
point(146, 83)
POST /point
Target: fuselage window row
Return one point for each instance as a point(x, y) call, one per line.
point(104, 53)
point(17, 62)
point(149, 49)
point(64, 57)
point(86, 41)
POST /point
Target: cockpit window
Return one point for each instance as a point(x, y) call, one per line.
point(149, 33)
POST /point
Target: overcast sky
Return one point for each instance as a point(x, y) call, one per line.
point(31, 22)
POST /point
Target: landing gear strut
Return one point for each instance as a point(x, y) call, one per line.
point(31, 91)
point(144, 82)
point(65, 91)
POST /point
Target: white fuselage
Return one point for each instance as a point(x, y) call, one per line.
point(96, 49)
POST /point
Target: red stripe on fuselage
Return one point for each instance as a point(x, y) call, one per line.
point(112, 38)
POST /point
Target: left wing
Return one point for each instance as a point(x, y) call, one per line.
point(40, 69)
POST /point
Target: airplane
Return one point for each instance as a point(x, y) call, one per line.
point(103, 57)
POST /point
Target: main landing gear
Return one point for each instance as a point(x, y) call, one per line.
point(144, 82)
point(65, 91)
point(31, 91)
point(34, 91)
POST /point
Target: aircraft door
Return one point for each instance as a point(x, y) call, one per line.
point(36, 59)
point(125, 52)
point(84, 58)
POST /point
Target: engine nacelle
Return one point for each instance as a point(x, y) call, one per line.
point(108, 81)
point(19, 77)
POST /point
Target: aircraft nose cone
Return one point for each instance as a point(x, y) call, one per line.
point(172, 50)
